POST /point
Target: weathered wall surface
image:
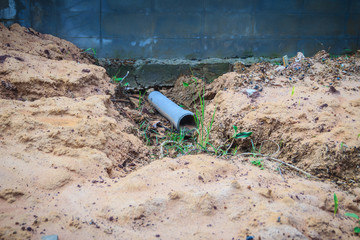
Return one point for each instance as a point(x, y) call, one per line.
point(193, 29)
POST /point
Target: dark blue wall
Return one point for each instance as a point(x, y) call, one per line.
point(194, 28)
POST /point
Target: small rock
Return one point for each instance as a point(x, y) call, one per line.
point(333, 90)
point(235, 184)
point(174, 195)
point(108, 231)
point(201, 178)
point(324, 106)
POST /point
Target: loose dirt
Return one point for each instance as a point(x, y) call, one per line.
point(73, 163)
point(309, 109)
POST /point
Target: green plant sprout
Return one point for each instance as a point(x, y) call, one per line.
point(343, 145)
point(235, 136)
point(353, 215)
point(193, 80)
point(91, 49)
point(141, 100)
point(235, 150)
point(185, 84)
point(144, 128)
point(240, 134)
point(358, 136)
point(178, 142)
point(259, 163)
point(254, 150)
point(293, 91)
point(121, 79)
point(202, 130)
point(336, 204)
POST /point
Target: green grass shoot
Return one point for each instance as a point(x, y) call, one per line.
point(141, 99)
point(118, 79)
point(185, 84)
point(91, 49)
point(293, 91)
point(353, 215)
point(336, 204)
point(259, 163)
point(203, 131)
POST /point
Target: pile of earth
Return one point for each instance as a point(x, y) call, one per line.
point(310, 109)
point(71, 164)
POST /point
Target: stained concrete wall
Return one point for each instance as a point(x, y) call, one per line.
point(192, 29)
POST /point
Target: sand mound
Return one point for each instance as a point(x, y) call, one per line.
point(192, 197)
point(27, 77)
point(68, 131)
point(27, 73)
point(27, 40)
point(315, 124)
point(76, 128)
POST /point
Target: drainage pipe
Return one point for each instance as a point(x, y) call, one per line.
point(179, 117)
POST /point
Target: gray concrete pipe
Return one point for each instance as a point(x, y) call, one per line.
point(180, 118)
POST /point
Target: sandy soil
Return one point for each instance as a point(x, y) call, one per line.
point(310, 109)
point(71, 165)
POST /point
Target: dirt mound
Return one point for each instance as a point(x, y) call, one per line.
point(27, 40)
point(86, 128)
point(186, 91)
point(27, 74)
point(68, 132)
point(73, 113)
point(28, 77)
point(194, 197)
point(315, 124)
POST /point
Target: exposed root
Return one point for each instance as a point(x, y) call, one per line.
point(278, 150)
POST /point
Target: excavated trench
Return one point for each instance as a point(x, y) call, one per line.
point(309, 111)
point(83, 156)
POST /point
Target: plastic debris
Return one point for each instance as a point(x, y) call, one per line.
point(279, 68)
point(250, 92)
point(286, 60)
point(299, 57)
point(50, 237)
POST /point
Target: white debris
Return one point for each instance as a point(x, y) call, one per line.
point(279, 68)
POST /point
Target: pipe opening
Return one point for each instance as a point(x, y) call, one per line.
point(187, 122)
